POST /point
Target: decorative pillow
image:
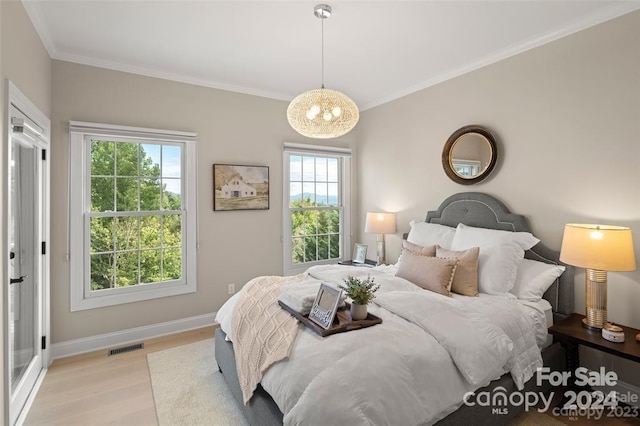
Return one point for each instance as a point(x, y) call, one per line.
point(424, 251)
point(498, 265)
point(533, 278)
point(467, 237)
point(428, 234)
point(465, 281)
point(431, 273)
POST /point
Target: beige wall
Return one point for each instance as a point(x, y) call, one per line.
point(24, 61)
point(232, 128)
point(565, 116)
point(567, 119)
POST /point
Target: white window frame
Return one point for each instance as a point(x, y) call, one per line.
point(80, 205)
point(289, 149)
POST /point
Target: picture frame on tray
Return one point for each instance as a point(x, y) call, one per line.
point(324, 308)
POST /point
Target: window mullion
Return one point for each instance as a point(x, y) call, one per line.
point(114, 263)
point(115, 178)
point(86, 244)
point(139, 246)
point(134, 214)
point(162, 247)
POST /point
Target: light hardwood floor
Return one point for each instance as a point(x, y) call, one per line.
point(95, 389)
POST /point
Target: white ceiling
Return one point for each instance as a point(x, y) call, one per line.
point(375, 51)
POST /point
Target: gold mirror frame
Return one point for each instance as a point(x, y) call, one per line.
point(455, 138)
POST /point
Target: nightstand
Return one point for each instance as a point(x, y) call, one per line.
point(571, 333)
point(367, 263)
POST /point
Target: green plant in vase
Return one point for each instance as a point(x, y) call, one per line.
point(361, 293)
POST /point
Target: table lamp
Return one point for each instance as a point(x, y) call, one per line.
point(381, 224)
point(598, 248)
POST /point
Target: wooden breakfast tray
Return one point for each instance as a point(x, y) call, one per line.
point(341, 323)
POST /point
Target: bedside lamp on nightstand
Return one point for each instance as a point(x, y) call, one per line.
point(380, 223)
point(598, 248)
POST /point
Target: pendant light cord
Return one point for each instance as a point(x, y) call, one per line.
point(322, 32)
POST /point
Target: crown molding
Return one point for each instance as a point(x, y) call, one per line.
point(37, 19)
point(179, 78)
point(615, 11)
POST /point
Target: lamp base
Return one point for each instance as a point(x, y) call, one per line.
point(381, 250)
point(596, 299)
point(585, 323)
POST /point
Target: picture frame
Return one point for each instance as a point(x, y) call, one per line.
point(240, 187)
point(323, 310)
point(359, 253)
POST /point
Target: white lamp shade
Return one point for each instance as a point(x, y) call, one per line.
point(380, 223)
point(601, 247)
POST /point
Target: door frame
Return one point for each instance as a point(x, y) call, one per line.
point(14, 97)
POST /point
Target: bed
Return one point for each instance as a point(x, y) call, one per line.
point(472, 209)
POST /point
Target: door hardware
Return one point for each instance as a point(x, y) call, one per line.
point(17, 280)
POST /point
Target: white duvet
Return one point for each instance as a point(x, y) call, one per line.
point(412, 369)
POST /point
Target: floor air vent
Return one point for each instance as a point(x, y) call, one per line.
point(125, 349)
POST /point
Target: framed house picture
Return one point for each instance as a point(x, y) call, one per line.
point(237, 187)
point(359, 253)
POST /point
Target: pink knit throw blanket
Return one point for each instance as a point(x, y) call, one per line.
point(263, 333)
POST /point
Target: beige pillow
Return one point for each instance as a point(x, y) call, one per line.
point(425, 251)
point(431, 273)
point(465, 281)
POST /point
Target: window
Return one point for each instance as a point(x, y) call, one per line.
point(133, 192)
point(316, 206)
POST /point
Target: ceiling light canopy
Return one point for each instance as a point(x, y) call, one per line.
point(322, 113)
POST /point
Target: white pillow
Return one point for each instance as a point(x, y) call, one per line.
point(429, 234)
point(534, 278)
point(225, 315)
point(467, 237)
point(498, 266)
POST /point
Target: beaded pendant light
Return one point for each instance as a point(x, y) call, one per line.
point(322, 113)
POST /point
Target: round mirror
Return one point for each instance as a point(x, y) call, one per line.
point(469, 155)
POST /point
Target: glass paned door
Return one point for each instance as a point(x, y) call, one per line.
point(25, 271)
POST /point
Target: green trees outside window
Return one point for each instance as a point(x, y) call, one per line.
point(316, 233)
point(315, 209)
point(136, 213)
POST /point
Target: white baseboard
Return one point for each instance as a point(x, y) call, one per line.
point(119, 338)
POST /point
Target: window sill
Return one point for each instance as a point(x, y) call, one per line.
point(80, 303)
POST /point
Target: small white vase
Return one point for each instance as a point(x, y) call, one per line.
point(358, 312)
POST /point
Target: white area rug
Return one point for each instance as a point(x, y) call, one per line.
point(188, 388)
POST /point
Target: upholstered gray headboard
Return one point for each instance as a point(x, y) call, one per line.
point(483, 211)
